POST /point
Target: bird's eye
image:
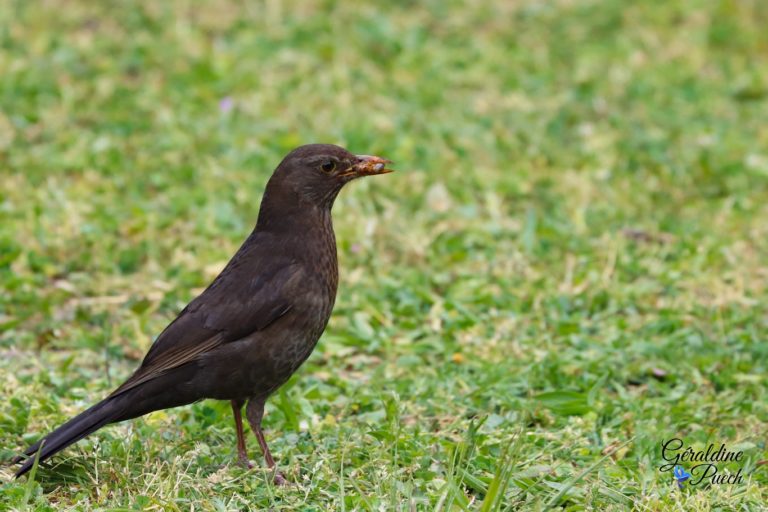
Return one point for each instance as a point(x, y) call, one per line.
point(328, 166)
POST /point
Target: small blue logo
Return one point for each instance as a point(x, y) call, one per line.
point(681, 475)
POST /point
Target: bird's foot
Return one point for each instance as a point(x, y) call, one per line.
point(280, 479)
point(245, 463)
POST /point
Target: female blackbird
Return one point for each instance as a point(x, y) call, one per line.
point(256, 323)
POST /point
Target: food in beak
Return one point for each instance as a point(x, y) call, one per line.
point(368, 165)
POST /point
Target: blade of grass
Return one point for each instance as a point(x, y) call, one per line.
point(494, 498)
point(32, 473)
point(556, 498)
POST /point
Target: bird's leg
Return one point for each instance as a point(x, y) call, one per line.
point(242, 454)
point(254, 411)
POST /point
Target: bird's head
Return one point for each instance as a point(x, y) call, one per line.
point(316, 172)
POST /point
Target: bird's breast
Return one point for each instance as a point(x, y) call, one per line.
point(310, 313)
point(270, 357)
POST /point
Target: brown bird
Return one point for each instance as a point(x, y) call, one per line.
point(256, 323)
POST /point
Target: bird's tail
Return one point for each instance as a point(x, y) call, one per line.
point(87, 422)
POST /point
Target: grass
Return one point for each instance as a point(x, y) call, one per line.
point(569, 268)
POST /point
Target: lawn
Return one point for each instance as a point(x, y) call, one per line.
point(569, 268)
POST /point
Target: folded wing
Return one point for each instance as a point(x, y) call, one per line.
point(239, 302)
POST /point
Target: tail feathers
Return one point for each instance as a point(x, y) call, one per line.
point(72, 431)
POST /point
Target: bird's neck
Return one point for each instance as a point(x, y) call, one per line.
point(303, 228)
point(298, 223)
point(288, 213)
point(307, 236)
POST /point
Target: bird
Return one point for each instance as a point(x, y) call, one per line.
point(258, 320)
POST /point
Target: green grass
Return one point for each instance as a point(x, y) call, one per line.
point(570, 267)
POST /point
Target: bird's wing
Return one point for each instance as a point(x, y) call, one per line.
point(251, 293)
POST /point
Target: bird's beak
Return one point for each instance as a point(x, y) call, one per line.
point(367, 165)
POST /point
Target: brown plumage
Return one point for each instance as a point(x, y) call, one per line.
point(257, 322)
